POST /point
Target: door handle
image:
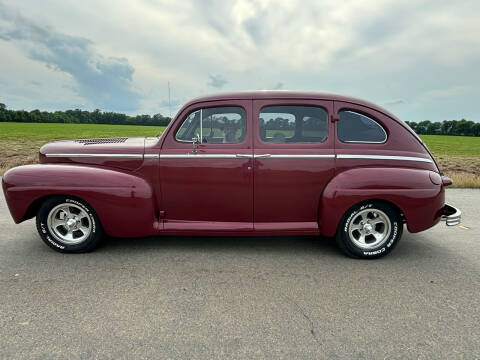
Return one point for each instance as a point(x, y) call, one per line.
point(243, 156)
point(262, 156)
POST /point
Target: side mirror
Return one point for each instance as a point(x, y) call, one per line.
point(195, 142)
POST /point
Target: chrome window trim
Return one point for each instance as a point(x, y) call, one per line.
point(185, 119)
point(132, 156)
point(299, 142)
point(363, 142)
point(383, 157)
point(360, 141)
point(201, 125)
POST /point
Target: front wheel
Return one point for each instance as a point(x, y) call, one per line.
point(369, 230)
point(68, 225)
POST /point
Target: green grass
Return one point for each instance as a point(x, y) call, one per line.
point(37, 131)
point(452, 145)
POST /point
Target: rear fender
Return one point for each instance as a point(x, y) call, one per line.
point(411, 190)
point(123, 201)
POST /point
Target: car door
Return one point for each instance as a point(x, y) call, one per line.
point(293, 161)
point(209, 188)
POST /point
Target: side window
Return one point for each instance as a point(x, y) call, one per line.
point(293, 124)
point(355, 127)
point(224, 125)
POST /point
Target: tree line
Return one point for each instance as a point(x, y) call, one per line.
point(447, 127)
point(78, 116)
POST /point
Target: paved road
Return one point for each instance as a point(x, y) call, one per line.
point(204, 298)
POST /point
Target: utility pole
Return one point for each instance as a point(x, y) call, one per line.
point(169, 103)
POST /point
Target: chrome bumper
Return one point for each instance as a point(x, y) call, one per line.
point(452, 216)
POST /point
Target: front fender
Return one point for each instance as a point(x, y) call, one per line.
point(411, 190)
point(123, 201)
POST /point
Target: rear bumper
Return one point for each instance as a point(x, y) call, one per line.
point(452, 216)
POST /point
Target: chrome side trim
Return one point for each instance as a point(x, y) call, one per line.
point(84, 155)
point(300, 156)
point(383, 157)
point(242, 156)
point(203, 156)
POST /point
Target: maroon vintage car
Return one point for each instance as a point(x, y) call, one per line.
point(252, 163)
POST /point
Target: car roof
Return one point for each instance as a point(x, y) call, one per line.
point(286, 94)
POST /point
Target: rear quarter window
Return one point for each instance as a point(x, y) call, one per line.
point(358, 128)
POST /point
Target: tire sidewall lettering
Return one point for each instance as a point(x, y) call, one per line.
point(393, 235)
point(43, 228)
point(53, 242)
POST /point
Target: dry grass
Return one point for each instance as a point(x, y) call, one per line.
point(15, 153)
point(463, 170)
point(465, 180)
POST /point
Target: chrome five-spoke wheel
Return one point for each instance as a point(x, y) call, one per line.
point(69, 224)
point(370, 228)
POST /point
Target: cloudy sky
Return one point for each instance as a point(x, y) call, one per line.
point(419, 59)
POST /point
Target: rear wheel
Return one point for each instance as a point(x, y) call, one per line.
point(369, 230)
point(68, 225)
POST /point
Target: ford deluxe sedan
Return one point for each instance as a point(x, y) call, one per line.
point(255, 163)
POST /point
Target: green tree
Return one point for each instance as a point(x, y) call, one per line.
point(476, 129)
point(448, 127)
point(434, 128)
point(423, 126)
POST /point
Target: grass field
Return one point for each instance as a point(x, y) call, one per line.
point(73, 131)
point(452, 145)
point(458, 156)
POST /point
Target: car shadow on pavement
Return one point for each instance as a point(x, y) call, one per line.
point(413, 247)
point(279, 244)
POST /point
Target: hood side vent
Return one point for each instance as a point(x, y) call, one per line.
point(101, 141)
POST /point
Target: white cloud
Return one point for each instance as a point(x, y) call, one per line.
point(216, 81)
point(377, 50)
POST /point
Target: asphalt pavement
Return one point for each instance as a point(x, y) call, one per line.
point(242, 298)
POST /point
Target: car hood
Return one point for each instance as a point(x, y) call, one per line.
point(121, 152)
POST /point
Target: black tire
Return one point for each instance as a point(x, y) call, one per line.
point(348, 241)
point(89, 219)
